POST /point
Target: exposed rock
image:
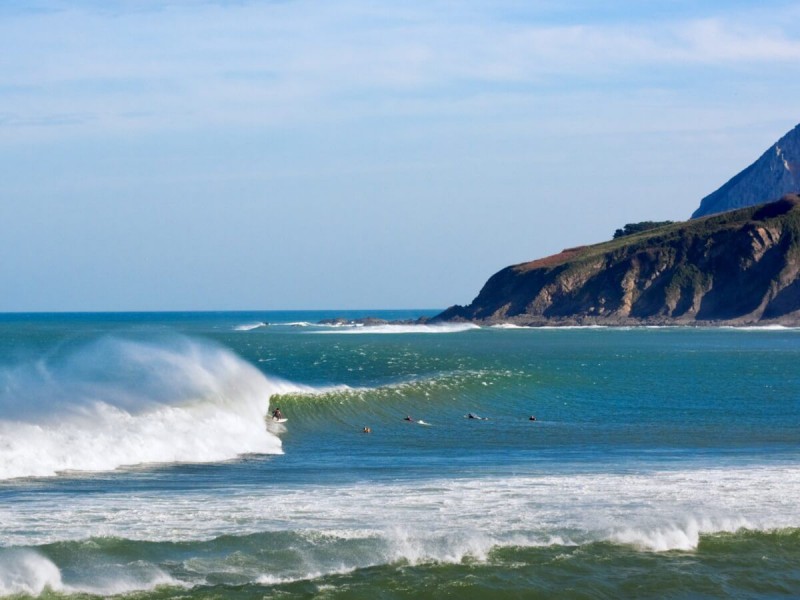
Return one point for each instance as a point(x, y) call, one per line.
point(740, 267)
point(773, 175)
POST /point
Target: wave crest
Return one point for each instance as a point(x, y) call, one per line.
point(24, 571)
point(116, 402)
point(685, 537)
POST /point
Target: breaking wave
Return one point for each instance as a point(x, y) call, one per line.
point(116, 402)
point(24, 571)
point(112, 566)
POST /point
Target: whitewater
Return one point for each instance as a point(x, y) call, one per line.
point(118, 402)
point(138, 459)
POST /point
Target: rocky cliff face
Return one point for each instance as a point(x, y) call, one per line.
point(776, 173)
point(740, 267)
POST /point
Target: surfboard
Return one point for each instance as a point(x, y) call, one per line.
point(283, 420)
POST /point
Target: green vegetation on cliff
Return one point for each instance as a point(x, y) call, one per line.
point(632, 228)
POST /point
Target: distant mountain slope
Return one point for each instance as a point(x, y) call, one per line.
point(776, 173)
point(740, 267)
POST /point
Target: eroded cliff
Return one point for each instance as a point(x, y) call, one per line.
point(740, 267)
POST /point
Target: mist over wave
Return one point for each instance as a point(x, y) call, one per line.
point(24, 571)
point(28, 572)
point(115, 402)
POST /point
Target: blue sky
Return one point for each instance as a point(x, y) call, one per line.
point(192, 155)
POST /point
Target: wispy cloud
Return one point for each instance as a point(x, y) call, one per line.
point(176, 64)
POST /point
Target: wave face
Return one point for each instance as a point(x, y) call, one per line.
point(300, 565)
point(115, 402)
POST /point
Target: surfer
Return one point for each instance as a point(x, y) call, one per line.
point(408, 418)
point(277, 414)
point(474, 416)
point(531, 418)
point(366, 430)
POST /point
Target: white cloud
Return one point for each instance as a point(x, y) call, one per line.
point(717, 41)
point(189, 64)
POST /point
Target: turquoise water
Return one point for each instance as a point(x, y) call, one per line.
point(136, 461)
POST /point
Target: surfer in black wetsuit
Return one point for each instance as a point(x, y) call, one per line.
point(277, 414)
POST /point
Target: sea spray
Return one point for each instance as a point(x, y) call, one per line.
point(27, 572)
point(115, 402)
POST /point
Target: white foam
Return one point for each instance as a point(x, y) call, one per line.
point(339, 528)
point(268, 579)
point(248, 326)
point(400, 329)
point(567, 327)
point(763, 328)
point(27, 572)
point(463, 517)
point(121, 402)
point(119, 579)
point(677, 536)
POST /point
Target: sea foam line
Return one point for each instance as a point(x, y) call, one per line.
point(653, 511)
point(248, 326)
point(400, 329)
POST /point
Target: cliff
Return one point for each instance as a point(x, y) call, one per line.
point(740, 267)
point(775, 173)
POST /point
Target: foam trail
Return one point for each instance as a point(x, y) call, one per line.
point(249, 326)
point(118, 402)
point(394, 329)
point(772, 327)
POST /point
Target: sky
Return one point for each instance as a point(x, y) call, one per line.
point(355, 154)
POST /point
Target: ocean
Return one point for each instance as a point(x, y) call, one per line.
point(137, 460)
